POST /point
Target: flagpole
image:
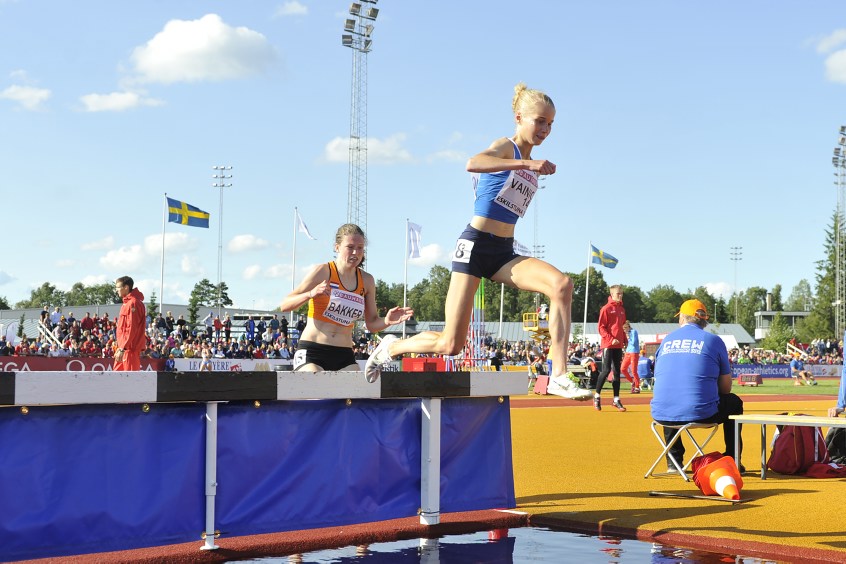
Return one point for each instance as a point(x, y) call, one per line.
point(405, 273)
point(501, 304)
point(161, 281)
point(587, 288)
point(294, 259)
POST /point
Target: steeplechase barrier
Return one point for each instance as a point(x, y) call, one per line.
point(103, 461)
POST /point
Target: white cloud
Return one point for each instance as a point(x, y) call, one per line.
point(291, 9)
point(65, 263)
point(272, 272)
point(99, 244)
point(201, 50)
point(337, 150)
point(130, 258)
point(191, 265)
point(94, 279)
point(835, 66)
point(124, 258)
point(5, 277)
point(116, 101)
point(174, 243)
point(278, 271)
point(251, 272)
point(388, 151)
point(447, 156)
point(28, 97)
point(831, 41)
point(430, 255)
point(719, 289)
point(379, 151)
point(244, 243)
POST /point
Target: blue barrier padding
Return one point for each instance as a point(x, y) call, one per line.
point(308, 464)
point(476, 466)
point(81, 479)
point(95, 478)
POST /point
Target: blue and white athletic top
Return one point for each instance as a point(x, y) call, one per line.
point(504, 196)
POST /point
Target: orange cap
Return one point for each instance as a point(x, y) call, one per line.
point(694, 308)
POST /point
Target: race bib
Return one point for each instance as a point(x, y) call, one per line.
point(463, 248)
point(517, 192)
point(299, 358)
point(344, 307)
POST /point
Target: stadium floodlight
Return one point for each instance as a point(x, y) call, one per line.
point(839, 162)
point(356, 36)
point(221, 181)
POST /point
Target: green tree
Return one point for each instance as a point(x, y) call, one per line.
point(4, 303)
point(193, 310)
point(204, 293)
point(80, 294)
point(597, 295)
point(636, 304)
point(801, 297)
point(747, 303)
point(45, 295)
point(779, 334)
point(777, 304)
point(665, 302)
point(153, 306)
point(21, 325)
point(220, 297)
point(428, 298)
point(820, 323)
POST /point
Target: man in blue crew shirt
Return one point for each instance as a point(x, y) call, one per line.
point(693, 380)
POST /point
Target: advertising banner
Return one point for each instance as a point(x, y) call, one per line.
point(68, 364)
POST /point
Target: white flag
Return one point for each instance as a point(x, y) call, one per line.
point(302, 227)
point(414, 240)
point(521, 249)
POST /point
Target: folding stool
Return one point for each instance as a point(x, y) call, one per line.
point(681, 430)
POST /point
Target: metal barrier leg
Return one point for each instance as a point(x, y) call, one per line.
point(211, 474)
point(430, 462)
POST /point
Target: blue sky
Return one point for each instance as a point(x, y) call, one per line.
point(683, 129)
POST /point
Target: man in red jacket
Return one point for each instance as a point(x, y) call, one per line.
point(612, 317)
point(131, 326)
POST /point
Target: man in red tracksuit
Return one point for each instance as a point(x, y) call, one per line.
point(612, 317)
point(131, 326)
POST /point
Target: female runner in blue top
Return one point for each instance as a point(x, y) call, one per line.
point(505, 180)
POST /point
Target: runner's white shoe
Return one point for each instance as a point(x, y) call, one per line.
point(566, 388)
point(381, 355)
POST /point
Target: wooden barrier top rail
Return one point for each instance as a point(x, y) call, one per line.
point(75, 388)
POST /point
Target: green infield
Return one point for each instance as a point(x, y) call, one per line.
point(785, 387)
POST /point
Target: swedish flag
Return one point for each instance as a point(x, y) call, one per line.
point(603, 258)
point(181, 212)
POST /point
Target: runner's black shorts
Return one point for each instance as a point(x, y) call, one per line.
point(482, 254)
point(327, 357)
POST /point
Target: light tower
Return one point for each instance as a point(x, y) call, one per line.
point(839, 162)
point(357, 31)
point(737, 256)
point(220, 181)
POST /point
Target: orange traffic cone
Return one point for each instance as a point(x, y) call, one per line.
point(719, 477)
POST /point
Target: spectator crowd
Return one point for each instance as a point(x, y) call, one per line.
point(269, 337)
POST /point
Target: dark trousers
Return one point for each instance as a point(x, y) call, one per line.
point(610, 358)
point(730, 404)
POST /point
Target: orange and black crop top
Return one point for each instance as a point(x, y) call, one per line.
point(341, 307)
